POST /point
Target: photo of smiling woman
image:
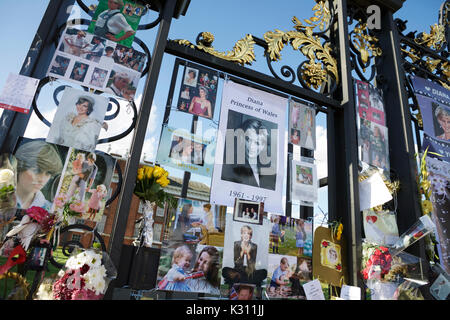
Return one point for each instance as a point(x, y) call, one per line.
point(78, 120)
point(38, 164)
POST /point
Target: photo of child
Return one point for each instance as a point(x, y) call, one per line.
point(175, 279)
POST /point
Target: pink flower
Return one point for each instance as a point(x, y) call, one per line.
point(37, 213)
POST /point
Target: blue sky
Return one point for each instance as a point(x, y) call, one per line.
point(228, 21)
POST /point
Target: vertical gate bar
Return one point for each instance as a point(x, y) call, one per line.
point(346, 164)
point(331, 165)
point(171, 91)
point(126, 195)
point(14, 124)
point(398, 121)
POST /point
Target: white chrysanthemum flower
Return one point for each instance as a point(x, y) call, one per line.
point(95, 279)
point(45, 292)
point(6, 177)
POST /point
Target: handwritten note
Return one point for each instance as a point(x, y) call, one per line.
point(313, 290)
point(18, 93)
point(350, 292)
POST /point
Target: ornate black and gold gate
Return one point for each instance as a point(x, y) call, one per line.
point(335, 47)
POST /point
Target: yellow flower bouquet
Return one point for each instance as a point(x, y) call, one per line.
point(150, 184)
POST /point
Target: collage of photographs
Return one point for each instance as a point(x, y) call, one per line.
point(302, 125)
point(198, 92)
point(97, 63)
point(372, 130)
point(219, 252)
point(74, 184)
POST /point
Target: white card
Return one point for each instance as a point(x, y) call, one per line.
point(313, 290)
point(350, 292)
point(373, 192)
point(18, 93)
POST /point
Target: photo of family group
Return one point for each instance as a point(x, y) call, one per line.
point(198, 92)
point(182, 150)
point(78, 119)
point(84, 185)
point(190, 268)
point(372, 130)
point(248, 211)
point(97, 63)
point(117, 20)
point(302, 125)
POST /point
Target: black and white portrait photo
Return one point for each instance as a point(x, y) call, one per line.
point(252, 158)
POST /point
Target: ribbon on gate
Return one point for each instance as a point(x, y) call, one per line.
point(13, 260)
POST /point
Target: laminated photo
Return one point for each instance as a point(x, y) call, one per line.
point(304, 181)
point(95, 62)
point(245, 255)
point(18, 93)
point(84, 185)
point(371, 124)
point(284, 278)
point(190, 268)
point(289, 236)
point(78, 119)
point(39, 168)
point(302, 125)
point(116, 20)
point(196, 222)
point(250, 153)
point(198, 92)
point(183, 150)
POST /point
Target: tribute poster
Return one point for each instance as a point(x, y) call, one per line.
point(434, 103)
point(250, 155)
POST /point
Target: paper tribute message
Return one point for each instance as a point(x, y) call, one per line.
point(250, 157)
point(18, 93)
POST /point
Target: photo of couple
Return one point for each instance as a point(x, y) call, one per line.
point(187, 150)
point(198, 92)
point(84, 185)
point(180, 149)
point(249, 212)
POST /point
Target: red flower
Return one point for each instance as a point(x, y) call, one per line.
point(325, 244)
point(418, 234)
point(338, 267)
point(37, 213)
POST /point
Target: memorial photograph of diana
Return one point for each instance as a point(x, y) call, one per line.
point(250, 156)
